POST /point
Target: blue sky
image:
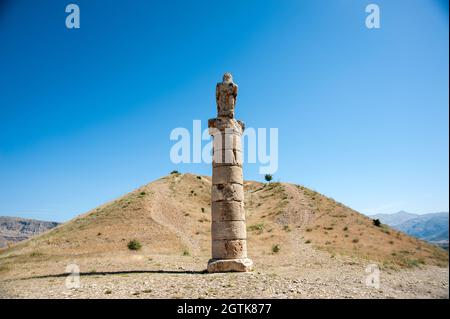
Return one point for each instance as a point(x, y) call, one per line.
point(85, 115)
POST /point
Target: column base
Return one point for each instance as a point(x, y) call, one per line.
point(230, 265)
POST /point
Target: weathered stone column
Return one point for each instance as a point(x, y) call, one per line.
point(228, 230)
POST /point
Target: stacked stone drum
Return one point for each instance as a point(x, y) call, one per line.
point(228, 229)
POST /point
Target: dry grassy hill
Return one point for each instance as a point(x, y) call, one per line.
point(172, 216)
point(303, 245)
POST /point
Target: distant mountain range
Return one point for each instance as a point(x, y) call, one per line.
point(14, 229)
point(430, 227)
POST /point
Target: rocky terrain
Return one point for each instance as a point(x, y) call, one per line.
point(303, 244)
point(14, 229)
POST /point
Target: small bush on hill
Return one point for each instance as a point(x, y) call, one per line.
point(134, 245)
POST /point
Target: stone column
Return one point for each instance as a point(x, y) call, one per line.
point(228, 230)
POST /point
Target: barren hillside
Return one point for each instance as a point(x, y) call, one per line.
point(170, 217)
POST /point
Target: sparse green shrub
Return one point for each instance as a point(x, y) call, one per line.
point(256, 227)
point(275, 248)
point(174, 172)
point(203, 210)
point(286, 228)
point(410, 263)
point(142, 194)
point(134, 245)
point(308, 241)
point(376, 222)
point(186, 252)
point(199, 177)
point(36, 254)
point(4, 268)
point(355, 240)
point(268, 178)
point(345, 228)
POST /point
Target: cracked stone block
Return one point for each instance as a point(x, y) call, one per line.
point(227, 192)
point(229, 249)
point(230, 265)
point(224, 157)
point(234, 229)
point(227, 210)
point(227, 174)
point(227, 141)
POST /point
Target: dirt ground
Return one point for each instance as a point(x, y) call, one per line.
point(310, 274)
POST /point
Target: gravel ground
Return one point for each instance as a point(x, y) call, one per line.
point(310, 274)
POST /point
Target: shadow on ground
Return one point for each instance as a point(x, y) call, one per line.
point(123, 272)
